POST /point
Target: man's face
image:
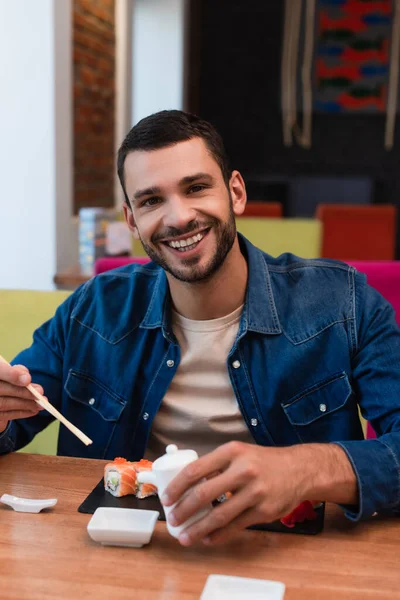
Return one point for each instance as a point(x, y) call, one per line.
point(182, 211)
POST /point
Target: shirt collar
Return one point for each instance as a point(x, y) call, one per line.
point(259, 312)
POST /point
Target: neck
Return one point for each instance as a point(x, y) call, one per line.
point(216, 297)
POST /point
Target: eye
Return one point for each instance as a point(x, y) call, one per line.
point(199, 187)
point(153, 201)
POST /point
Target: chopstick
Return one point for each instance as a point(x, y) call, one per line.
point(41, 400)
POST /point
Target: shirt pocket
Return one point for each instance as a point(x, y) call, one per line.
point(93, 394)
point(325, 412)
point(94, 408)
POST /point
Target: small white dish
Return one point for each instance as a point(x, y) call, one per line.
point(27, 504)
point(224, 587)
point(122, 526)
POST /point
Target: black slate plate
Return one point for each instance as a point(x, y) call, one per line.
point(99, 497)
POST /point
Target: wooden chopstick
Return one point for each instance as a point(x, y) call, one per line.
point(41, 400)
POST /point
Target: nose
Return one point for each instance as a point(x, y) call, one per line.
point(179, 213)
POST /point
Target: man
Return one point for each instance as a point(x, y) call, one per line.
point(259, 363)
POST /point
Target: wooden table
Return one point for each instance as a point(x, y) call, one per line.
point(71, 278)
point(50, 555)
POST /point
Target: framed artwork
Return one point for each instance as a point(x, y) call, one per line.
point(352, 56)
point(339, 56)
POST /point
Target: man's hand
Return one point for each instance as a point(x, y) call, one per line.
point(266, 485)
point(264, 482)
point(16, 402)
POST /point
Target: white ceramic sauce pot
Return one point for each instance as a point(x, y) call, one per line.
point(164, 470)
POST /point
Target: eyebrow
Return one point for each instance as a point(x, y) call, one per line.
point(196, 177)
point(146, 192)
point(151, 191)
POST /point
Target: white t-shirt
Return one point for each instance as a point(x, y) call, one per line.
point(199, 410)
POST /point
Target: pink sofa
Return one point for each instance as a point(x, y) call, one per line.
point(384, 276)
point(113, 262)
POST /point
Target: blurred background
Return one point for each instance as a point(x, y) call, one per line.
point(304, 93)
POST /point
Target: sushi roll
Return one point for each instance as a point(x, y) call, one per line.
point(120, 478)
point(144, 490)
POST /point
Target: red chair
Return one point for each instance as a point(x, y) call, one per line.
point(354, 232)
point(263, 209)
point(384, 276)
point(113, 262)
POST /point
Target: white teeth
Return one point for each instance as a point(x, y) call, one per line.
point(188, 242)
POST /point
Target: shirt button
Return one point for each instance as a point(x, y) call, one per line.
point(92, 401)
point(254, 422)
point(236, 364)
point(170, 363)
point(145, 416)
point(322, 407)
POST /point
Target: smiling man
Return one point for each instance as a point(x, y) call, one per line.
point(258, 363)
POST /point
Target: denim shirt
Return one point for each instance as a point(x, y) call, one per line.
point(315, 343)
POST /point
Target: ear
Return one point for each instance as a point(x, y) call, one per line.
point(130, 220)
point(238, 193)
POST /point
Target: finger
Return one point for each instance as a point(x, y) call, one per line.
point(11, 403)
point(202, 495)
point(219, 459)
point(9, 389)
point(248, 518)
point(214, 474)
point(218, 518)
point(12, 415)
point(17, 374)
point(41, 392)
point(39, 389)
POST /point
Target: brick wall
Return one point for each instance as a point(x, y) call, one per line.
point(238, 89)
point(94, 101)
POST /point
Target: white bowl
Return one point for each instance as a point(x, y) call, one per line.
point(223, 587)
point(122, 526)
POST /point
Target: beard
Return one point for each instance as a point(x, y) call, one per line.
point(191, 271)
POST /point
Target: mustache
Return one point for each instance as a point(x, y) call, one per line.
point(171, 232)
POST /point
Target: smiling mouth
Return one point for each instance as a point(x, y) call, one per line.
point(189, 243)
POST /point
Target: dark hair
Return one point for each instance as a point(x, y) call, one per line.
point(166, 128)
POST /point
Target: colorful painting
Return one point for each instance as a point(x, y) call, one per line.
point(352, 55)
